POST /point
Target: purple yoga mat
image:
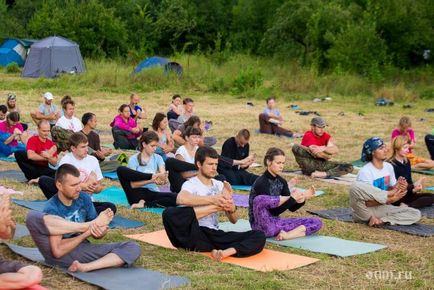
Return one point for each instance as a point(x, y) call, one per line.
point(241, 200)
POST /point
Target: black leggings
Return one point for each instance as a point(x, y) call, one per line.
point(429, 141)
point(48, 187)
point(416, 200)
point(134, 195)
point(30, 169)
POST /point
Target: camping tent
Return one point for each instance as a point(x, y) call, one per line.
point(12, 50)
point(151, 62)
point(52, 56)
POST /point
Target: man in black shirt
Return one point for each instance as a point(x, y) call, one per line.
point(235, 159)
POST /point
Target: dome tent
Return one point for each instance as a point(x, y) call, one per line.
point(12, 50)
point(52, 56)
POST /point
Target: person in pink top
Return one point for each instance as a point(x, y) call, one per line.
point(125, 129)
point(404, 129)
point(11, 131)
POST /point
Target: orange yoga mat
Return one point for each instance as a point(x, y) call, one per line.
point(265, 261)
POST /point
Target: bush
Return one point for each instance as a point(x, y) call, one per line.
point(12, 68)
point(247, 79)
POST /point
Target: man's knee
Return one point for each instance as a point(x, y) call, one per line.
point(414, 214)
point(133, 249)
point(35, 220)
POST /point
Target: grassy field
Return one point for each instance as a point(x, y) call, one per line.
point(102, 91)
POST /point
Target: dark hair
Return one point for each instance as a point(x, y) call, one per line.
point(191, 121)
point(122, 107)
point(87, 117)
point(3, 109)
point(175, 97)
point(147, 137)
point(244, 133)
point(203, 152)
point(13, 116)
point(64, 170)
point(190, 131)
point(271, 153)
point(76, 139)
point(187, 100)
point(43, 121)
point(159, 117)
point(67, 102)
point(270, 98)
point(64, 99)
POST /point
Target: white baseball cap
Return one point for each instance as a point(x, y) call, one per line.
point(48, 96)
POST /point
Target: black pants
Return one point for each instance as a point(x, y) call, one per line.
point(134, 195)
point(183, 230)
point(176, 168)
point(238, 177)
point(121, 141)
point(429, 141)
point(416, 200)
point(30, 169)
point(48, 187)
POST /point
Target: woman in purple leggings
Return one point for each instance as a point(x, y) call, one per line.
point(270, 196)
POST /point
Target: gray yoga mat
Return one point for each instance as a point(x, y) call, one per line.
point(21, 231)
point(344, 214)
point(113, 278)
point(13, 175)
point(117, 222)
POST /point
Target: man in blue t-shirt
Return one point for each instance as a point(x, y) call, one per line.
point(69, 218)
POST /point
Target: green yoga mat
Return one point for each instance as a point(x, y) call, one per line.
point(426, 171)
point(358, 163)
point(315, 243)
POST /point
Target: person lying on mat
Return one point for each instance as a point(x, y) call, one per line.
point(14, 274)
point(270, 120)
point(401, 166)
point(61, 232)
point(193, 121)
point(46, 111)
point(88, 166)
point(94, 144)
point(235, 159)
point(404, 129)
point(40, 153)
point(376, 189)
point(145, 171)
point(11, 131)
point(315, 151)
point(195, 225)
point(270, 196)
point(125, 129)
point(165, 143)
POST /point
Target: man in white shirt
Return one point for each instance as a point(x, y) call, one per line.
point(68, 121)
point(376, 188)
point(87, 165)
point(195, 226)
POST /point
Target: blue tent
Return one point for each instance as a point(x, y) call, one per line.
point(11, 51)
point(151, 62)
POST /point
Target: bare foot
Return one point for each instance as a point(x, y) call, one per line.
point(104, 217)
point(373, 222)
point(298, 232)
point(318, 174)
point(309, 193)
point(140, 204)
point(33, 181)
point(76, 266)
point(219, 255)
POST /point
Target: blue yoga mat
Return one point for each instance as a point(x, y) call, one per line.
point(7, 159)
point(132, 278)
point(110, 175)
point(344, 214)
point(117, 222)
point(431, 188)
point(16, 175)
point(315, 243)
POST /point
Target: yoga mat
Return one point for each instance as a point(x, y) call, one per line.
point(117, 222)
point(427, 172)
point(358, 163)
point(344, 214)
point(431, 188)
point(21, 231)
point(319, 244)
point(113, 278)
point(106, 145)
point(427, 211)
point(242, 187)
point(265, 261)
point(14, 175)
point(110, 175)
point(7, 159)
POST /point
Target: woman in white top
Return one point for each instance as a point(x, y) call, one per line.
point(165, 143)
point(186, 152)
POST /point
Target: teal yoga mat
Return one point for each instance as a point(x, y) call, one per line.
point(110, 175)
point(7, 159)
point(315, 243)
point(431, 188)
point(426, 172)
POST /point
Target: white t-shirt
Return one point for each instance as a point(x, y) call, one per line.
point(196, 187)
point(184, 153)
point(380, 178)
point(86, 165)
point(73, 124)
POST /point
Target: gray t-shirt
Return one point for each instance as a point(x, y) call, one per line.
point(196, 187)
point(47, 110)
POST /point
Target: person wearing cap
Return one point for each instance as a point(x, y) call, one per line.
point(316, 149)
point(46, 111)
point(376, 189)
point(271, 119)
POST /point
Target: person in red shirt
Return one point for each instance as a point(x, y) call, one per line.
point(315, 151)
point(40, 153)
